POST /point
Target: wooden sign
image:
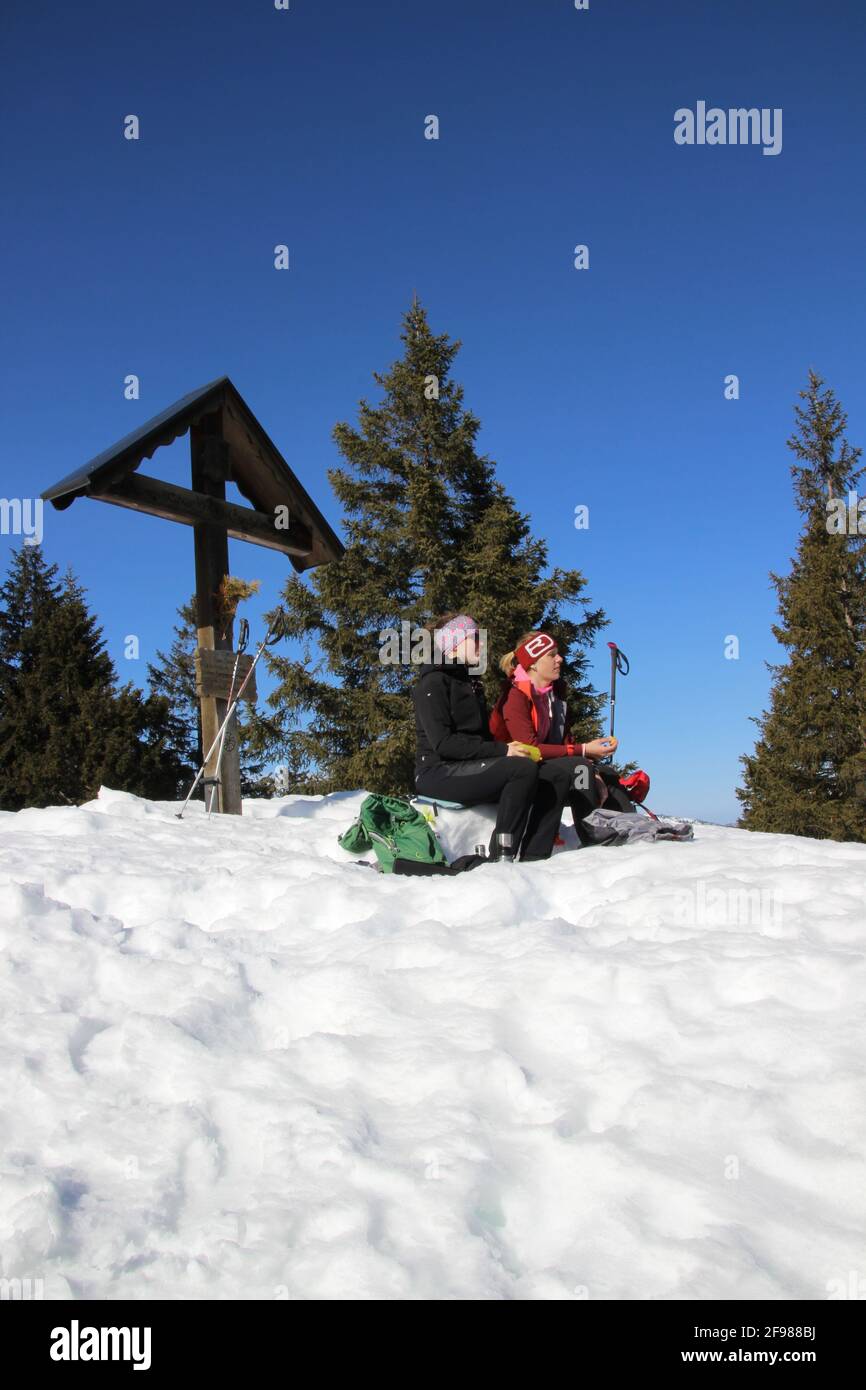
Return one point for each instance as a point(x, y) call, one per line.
point(213, 674)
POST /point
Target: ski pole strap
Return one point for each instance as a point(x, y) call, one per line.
point(243, 635)
point(618, 659)
point(278, 628)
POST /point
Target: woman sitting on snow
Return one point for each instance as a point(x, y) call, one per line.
point(533, 709)
point(457, 759)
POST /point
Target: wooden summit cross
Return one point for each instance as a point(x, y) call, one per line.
point(227, 443)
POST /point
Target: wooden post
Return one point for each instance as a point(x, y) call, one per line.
point(210, 469)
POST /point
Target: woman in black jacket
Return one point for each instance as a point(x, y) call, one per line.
point(457, 759)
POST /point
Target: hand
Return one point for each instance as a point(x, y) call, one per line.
point(516, 750)
point(602, 747)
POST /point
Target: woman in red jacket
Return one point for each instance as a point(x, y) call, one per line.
point(533, 709)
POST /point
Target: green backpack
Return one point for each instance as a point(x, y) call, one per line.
point(395, 830)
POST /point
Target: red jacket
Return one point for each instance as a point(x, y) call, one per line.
point(515, 716)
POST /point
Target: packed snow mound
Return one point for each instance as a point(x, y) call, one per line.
point(237, 1065)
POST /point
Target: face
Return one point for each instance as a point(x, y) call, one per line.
point(468, 650)
point(547, 667)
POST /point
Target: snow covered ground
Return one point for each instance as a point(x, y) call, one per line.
point(234, 1065)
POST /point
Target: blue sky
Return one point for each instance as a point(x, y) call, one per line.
point(602, 387)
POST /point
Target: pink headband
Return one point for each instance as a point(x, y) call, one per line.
point(449, 637)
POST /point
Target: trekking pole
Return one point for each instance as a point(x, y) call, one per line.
point(618, 662)
point(243, 639)
point(275, 633)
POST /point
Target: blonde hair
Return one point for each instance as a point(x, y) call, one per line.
point(508, 663)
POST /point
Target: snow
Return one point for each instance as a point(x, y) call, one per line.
point(235, 1065)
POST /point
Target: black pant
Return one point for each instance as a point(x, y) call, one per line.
point(530, 796)
point(510, 782)
point(572, 781)
point(555, 787)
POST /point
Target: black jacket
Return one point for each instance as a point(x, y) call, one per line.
point(451, 718)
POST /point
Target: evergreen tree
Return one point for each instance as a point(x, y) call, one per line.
point(807, 775)
point(64, 728)
point(172, 676)
point(428, 530)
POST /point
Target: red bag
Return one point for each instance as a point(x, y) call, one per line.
point(636, 785)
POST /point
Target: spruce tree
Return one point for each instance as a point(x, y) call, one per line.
point(807, 775)
point(64, 727)
point(428, 529)
point(172, 676)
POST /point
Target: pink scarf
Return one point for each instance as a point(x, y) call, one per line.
point(541, 698)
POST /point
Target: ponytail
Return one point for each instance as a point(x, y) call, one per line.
point(509, 663)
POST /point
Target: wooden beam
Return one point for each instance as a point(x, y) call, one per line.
point(209, 458)
point(144, 494)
